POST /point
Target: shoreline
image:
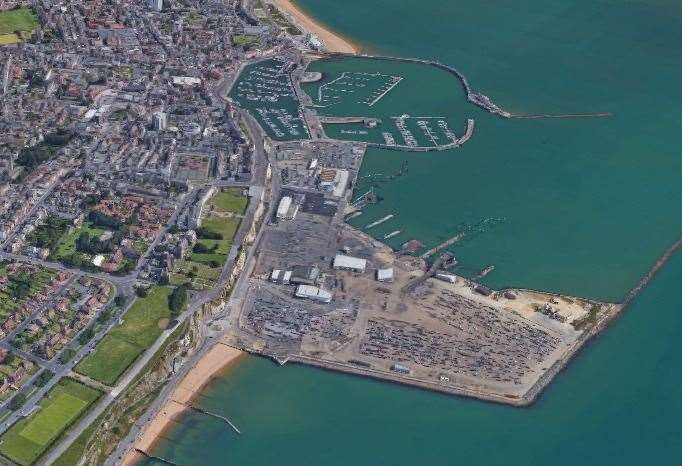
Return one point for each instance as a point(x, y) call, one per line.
point(332, 41)
point(218, 359)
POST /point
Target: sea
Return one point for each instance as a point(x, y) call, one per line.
point(582, 206)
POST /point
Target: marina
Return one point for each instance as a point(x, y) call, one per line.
point(265, 89)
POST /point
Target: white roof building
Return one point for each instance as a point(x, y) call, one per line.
point(355, 264)
point(313, 293)
point(186, 81)
point(98, 260)
point(446, 277)
point(283, 207)
point(385, 275)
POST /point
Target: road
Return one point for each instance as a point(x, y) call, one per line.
point(59, 369)
point(259, 180)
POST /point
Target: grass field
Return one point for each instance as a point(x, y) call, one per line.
point(67, 244)
point(245, 40)
point(223, 217)
point(29, 438)
point(226, 226)
point(139, 330)
point(6, 39)
point(21, 20)
point(230, 200)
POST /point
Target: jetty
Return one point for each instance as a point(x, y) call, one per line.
point(442, 245)
point(392, 234)
point(156, 458)
point(412, 284)
point(214, 415)
point(380, 221)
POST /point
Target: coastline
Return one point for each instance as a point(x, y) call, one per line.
point(217, 360)
point(332, 41)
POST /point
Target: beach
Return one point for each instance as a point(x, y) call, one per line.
point(332, 41)
point(212, 364)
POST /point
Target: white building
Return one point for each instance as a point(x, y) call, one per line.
point(283, 207)
point(354, 264)
point(156, 5)
point(446, 277)
point(98, 260)
point(287, 208)
point(385, 275)
point(160, 121)
point(313, 293)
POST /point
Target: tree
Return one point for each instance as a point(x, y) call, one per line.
point(120, 300)
point(178, 300)
point(44, 377)
point(18, 401)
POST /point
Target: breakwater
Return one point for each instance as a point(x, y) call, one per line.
point(602, 323)
point(476, 98)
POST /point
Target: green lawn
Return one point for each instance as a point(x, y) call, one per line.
point(224, 245)
point(120, 348)
point(226, 226)
point(109, 360)
point(29, 438)
point(244, 39)
point(208, 258)
point(67, 244)
point(230, 200)
point(21, 19)
point(6, 39)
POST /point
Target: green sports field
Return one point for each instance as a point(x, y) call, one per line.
point(29, 438)
point(142, 325)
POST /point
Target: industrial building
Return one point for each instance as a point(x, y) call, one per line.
point(288, 207)
point(446, 277)
point(353, 264)
point(385, 275)
point(281, 276)
point(283, 207)
point(313, 293)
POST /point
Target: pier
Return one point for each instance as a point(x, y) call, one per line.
point(442, 245)
point(379, 222)
point(156, 458)
point(445, 257)
point(214, 415)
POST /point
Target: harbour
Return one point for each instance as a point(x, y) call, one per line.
point(616, 369)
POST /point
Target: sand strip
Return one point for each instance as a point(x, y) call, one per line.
point(332, 41)
point(216, 360)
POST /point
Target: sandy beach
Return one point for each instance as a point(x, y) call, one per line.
point(216, 360)
point(332, 41)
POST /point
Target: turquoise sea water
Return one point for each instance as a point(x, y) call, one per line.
point(580, 206)
point(617, 404)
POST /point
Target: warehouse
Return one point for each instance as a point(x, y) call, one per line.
point(354, 264)
point(313, 293)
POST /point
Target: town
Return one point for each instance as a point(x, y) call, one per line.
point(166, 184)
